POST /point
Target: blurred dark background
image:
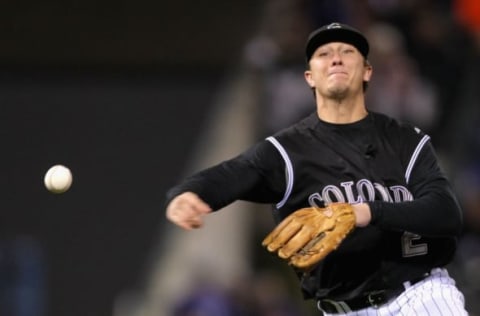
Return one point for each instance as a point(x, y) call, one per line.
point(116, 91)
point(119, 91)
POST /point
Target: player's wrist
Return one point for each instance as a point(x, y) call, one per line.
point(363, 214)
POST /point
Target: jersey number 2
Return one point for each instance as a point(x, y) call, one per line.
point(410, 248)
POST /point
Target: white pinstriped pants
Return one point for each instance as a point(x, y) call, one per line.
point(436, 295)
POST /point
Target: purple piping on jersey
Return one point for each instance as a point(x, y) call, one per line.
point(288, 166)
point(415, 156)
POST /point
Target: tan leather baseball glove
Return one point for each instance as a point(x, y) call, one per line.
point(307, 235)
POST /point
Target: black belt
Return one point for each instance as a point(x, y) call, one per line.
point(370, 299)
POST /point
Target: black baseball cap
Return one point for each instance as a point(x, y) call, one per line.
point(336, 32)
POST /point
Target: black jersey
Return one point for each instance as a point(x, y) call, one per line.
point(378, 160)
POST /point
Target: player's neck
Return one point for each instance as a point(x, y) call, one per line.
point(341, 111)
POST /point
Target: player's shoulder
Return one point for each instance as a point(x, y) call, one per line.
point(299, 129)
point(395, 127)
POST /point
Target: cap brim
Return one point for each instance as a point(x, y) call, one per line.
point(343, 35)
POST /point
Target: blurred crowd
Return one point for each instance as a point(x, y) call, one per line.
point(426, 60)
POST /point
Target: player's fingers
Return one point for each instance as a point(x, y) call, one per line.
point(197, 203)
point(189, 204)
point(187, 222)
point(191, 223)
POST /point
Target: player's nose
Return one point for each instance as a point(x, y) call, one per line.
point(337, 59)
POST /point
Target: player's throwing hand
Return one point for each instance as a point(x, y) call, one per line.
point(187, 210)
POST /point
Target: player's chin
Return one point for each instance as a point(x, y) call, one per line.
point(338, 91)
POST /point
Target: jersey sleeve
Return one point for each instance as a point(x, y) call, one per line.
point(256, 175)
point(434, 210)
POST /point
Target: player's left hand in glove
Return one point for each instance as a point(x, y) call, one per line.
point(307, 235)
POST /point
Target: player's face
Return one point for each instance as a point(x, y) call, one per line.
point(337, 70)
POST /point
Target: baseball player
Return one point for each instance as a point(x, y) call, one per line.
point(406, 217)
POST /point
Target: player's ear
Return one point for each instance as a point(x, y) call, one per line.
point(368, 71)
point(308, 78)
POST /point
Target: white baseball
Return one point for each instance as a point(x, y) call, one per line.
point(58, 179)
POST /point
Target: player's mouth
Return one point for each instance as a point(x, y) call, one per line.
point(337, 72)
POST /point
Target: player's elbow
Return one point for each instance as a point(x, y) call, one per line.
point(453, 218)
